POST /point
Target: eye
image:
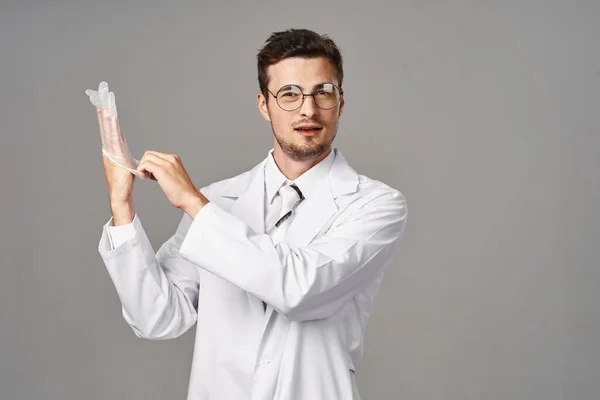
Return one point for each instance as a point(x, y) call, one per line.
point(289, 93)
point(326, 89)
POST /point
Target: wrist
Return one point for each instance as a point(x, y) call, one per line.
point(195, 204)
point(116, 201)
point(122, 212)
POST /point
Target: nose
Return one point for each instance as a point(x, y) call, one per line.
point(308, 108)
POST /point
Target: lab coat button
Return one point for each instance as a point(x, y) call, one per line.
point(263, 363)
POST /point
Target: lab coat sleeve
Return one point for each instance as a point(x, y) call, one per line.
point(302, 283)
point(158, 292)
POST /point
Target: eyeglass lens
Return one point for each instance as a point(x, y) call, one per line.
point(326, 96)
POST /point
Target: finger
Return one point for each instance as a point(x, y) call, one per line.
point(112, 106)
point(151, 156)
point(165, 165)
point(144, 175)
point(152, 169)
point(103, 93)
point(101, 123)
point(110, 137)
point(172, 158)
point(94, 97)
point(162, 158)
point(107, 134)
point(141, 162)
point(115, 132)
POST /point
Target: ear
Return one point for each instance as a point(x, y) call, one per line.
point(262, 106)
point(342, 102)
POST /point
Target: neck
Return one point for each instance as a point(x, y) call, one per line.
point(292, 169)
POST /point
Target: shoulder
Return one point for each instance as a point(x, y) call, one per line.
point(353, 186)
point(372, 189)
point(374, 207)
point(372, 197)
point(363, 188)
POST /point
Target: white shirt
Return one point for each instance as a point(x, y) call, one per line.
point(218, 269)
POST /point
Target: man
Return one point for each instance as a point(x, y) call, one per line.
point(279, 265)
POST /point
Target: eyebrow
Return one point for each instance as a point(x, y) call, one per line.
point(313, 88)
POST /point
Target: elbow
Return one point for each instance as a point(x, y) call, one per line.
point(160, 328)
point(152, 334)
point(140, 334)
point(158, 333)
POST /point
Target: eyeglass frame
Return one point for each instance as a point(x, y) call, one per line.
point(304, 95)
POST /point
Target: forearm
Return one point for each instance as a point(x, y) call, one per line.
point(301, 282)
point(158, 291)
point(122, 212)
point(154, 305)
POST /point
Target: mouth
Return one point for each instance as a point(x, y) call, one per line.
point(308, 130)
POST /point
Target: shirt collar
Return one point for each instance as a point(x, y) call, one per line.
point(307, 182)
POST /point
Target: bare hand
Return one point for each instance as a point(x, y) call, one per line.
point(174, 181)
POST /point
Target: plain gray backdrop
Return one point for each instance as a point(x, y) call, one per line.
point(484, 114)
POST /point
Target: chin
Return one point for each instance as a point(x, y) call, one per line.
point(305, 150)
point(300, 147)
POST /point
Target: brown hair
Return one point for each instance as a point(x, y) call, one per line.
point(296, 43)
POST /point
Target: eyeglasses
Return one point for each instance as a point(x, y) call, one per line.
point(291, 97)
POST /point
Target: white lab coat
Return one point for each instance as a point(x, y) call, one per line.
point(217, 270)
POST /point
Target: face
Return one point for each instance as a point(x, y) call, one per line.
point(307, 132)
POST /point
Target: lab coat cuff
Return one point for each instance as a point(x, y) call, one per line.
point(119, 237)
point(122, 233)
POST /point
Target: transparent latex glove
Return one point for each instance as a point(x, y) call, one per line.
point(114, 145)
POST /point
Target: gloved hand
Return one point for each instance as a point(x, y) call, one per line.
point(114, 145)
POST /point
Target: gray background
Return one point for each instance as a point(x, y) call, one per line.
point(484, 114)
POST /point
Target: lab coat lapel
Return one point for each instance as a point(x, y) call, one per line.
point(313, 215)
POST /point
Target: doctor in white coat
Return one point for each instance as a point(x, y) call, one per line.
point(278, 266)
